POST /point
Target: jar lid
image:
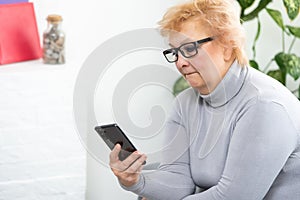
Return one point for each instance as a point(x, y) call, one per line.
point(54, 18)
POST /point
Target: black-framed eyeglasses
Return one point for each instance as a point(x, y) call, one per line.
point(187, 50)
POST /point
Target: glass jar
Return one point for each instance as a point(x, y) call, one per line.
point(54, 41)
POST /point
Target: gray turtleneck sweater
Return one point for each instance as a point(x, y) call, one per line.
point(240, 142)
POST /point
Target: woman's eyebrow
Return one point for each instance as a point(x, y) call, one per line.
point(182, 42)
point(171, 45)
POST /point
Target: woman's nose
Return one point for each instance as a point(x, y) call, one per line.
point(181, 62)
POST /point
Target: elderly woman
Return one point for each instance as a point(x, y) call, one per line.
point(235, 134)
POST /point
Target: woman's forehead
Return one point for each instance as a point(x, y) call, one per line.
point(189, 32)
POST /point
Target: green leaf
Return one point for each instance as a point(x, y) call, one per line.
point(292, 8)
point(277, 17)
point(289, 63)
point(276, 74)
point(245, 3)
point(180, 85)
point(281, 60)
point(262, 5)
point(254, 64)
point(294, 66)
point(294, 30)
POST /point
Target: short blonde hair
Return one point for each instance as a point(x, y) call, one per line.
point(221, 17)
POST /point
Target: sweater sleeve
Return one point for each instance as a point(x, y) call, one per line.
point(262, 141)
point(173, 178)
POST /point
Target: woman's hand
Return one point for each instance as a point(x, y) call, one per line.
point(128, 170)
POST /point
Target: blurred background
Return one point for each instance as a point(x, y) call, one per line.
point(41, 153)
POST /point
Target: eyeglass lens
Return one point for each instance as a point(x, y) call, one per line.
point(171, 55)
point(187, 50)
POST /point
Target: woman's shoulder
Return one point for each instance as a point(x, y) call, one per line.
point(264, 88)
point(262, 91)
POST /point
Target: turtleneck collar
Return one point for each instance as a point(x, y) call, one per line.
point(229, 86)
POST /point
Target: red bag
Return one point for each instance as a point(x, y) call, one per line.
point(19, 38)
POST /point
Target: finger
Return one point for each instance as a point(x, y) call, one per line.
point(114, 154)
point(131, 159)
point(140, 169)
point(137, 165)
point(125, 164)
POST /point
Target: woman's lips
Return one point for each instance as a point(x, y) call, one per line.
point(187, 74)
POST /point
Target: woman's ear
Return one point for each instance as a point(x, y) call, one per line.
point(227, 53)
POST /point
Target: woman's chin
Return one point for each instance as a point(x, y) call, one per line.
point(196, 81)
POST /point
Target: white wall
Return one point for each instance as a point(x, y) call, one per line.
point(40, 151)
point(40, 154)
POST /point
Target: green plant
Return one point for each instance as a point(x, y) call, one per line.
point(288, 63)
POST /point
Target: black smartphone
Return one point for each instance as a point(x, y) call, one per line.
point(112, 135)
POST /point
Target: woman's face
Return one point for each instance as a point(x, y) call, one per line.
point(207, 68)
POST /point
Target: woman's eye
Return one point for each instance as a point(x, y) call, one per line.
point(189, 48)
